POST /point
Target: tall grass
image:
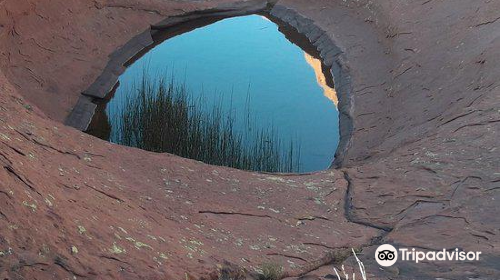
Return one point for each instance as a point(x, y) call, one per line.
point(160, 115)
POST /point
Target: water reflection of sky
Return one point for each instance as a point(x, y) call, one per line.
point(244, 55)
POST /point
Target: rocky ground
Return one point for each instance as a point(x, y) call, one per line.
point(421, 170)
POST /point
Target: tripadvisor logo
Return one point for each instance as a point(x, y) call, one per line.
point(386, 255)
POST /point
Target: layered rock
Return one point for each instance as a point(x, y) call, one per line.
point(420, 166)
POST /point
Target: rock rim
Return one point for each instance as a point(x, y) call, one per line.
point(421, 169)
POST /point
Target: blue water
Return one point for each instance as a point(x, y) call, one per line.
point(245, 57)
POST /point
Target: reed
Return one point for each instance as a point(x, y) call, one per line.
point(160, 115)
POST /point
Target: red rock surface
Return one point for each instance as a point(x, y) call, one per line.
point(422, 168)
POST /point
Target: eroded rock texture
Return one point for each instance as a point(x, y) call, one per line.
point(422, 167)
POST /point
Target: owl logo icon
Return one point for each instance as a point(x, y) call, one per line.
point(386, 255)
